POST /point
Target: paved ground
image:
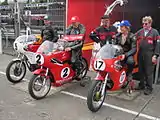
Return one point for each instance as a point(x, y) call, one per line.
point(69, 102)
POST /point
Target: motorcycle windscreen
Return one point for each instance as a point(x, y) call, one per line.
point(109, 51)
point(47, 47)
point(26, 39)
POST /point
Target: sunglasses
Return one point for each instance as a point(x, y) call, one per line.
point(145, 23)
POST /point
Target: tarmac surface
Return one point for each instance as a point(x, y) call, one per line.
point(69, 102)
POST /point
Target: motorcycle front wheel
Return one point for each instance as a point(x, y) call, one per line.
point(15, 71)
point(95, 97)
point(39, 86)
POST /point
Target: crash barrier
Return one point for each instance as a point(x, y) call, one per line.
point(57, 12)
point(7, 43)
point(3, 38)
point(0, 41)
point(7, 38)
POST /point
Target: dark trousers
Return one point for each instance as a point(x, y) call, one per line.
point(146, 69)
point(76, 58)
point(130, 63)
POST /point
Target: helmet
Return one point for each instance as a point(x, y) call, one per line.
point(125, 23)
point(47, 17)
point(74, 19)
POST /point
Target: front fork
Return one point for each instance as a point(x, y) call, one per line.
point(46, 75)
point(21, 59)
point(102, 76)
point(104, 84)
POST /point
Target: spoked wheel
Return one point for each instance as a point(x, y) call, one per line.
point(15, 71)
point(39, 86)
point(84, 69)
point(96, 96)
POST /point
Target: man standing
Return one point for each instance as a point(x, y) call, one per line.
point(147, 38)
point(103, 33)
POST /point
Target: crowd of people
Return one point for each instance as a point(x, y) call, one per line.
point(146, 42)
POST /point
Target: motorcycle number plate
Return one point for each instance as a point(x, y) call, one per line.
point(122, 77)
point(99, 64)
point(39, 59)
point(65, 72)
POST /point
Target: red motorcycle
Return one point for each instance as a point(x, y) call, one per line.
point(56, 68)
point(111, 75)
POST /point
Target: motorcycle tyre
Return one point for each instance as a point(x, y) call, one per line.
point(90, 95)
point(30, 89)
point(8, 72)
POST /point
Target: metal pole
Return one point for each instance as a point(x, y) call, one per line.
point(29, 19)
point(6, 38)
point(30, 15)
point(157, 70)
point(0, 36)
point(18, 24)
point(17, 18)
point(0, 40)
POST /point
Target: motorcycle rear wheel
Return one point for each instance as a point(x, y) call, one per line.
point(18, 72)
point(95, 99)
point(36, 87)
point(84, 70)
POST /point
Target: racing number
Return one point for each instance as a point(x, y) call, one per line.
point(99, 64)
point(65, 72)
point(38, 57)
point(122, 77)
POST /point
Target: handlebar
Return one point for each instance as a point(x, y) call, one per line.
point(73, 37)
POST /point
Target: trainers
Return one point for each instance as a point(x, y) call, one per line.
point(147, 92)
point(140, 87)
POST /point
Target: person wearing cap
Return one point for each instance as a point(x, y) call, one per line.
point(76, 27)
point(48, 32)
point(148, 44)
point(127, 41)
point(75, 47)
point(105, 32)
